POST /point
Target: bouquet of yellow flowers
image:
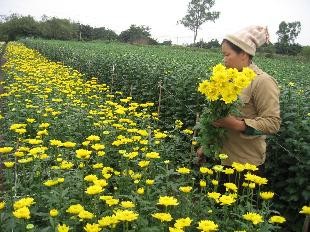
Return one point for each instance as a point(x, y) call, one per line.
point(221, 92)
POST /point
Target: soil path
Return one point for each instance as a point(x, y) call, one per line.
point(2, 61)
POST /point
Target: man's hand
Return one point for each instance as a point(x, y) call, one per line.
point(230, 122)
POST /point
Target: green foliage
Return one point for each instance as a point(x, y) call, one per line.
point(87, 33)
point(16, 26)
point(287, 33)
point(213, 43)
point(288, 49)
point(267, 49)
point(56, 28)
point(104, 34)
point(198, 12)
point(306, 52)
point(288, 153)
point(136, 34)
point(167, 42)
point(211, 137)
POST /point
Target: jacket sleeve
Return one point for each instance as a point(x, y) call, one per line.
point(266, 101)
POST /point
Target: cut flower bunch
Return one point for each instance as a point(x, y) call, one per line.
point(221, 92)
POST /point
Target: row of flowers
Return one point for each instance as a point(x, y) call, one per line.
point(79, 157)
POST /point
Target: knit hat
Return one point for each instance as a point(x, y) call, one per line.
point(250, 38)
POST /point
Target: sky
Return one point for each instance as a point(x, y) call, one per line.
point(162, 16)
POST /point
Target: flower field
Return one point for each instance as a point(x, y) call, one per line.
point(80, 156)
point(169, 77)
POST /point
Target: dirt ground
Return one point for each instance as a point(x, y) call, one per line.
point(2, 61)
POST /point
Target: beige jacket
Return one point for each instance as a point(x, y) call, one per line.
point(261, 111)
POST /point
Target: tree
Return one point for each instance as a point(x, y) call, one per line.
point(85, 32)
point(288, 32)
point(198, 12)
point(15, 26)
point(104, 34)
point(135, 33)
point(56, 28)
point(167, 42)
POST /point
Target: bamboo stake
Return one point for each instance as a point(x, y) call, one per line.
point(159, 98)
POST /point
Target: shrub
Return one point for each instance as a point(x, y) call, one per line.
point(306, 52)
point(288, 49)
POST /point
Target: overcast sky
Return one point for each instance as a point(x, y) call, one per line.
point(162, 15)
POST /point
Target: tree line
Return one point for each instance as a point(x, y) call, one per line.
point(14, 27)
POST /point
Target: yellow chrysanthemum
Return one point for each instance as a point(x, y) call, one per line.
point(84, 214)
point(229, 171)
point(6, 149)
point(226, 83)
point(149, 182)
point(22, 212)
point(167, 201)
point(223, 156)
point(92, 227)
point(183, 170)
point(63, 228)
point(255, 218)
point(9, 164)
point(53, 212)
point(207, 226)
point(255, 179)
point(266, 195)
point(126, 215)
point(83, 154)
point(227, 199)
point(127, 204)
point(231, 186)
point(90, 178)
point(214, 195)
point(93, 138)
point(112, 201)
point(23, 202)
point(75, 209)
point(238, 167)
point(2, 205)
point(277, 219)
point(94, 189)
point(185, 189)
point(173, 229)
point(305, 210)
point(152, 155)
point(202, 183)
point(108, 221)
point(144, 163)
point(98, 146)
point(140, 191)
point(205, 170)
point(163, 217)
point(68, 144)
point(182, 222)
